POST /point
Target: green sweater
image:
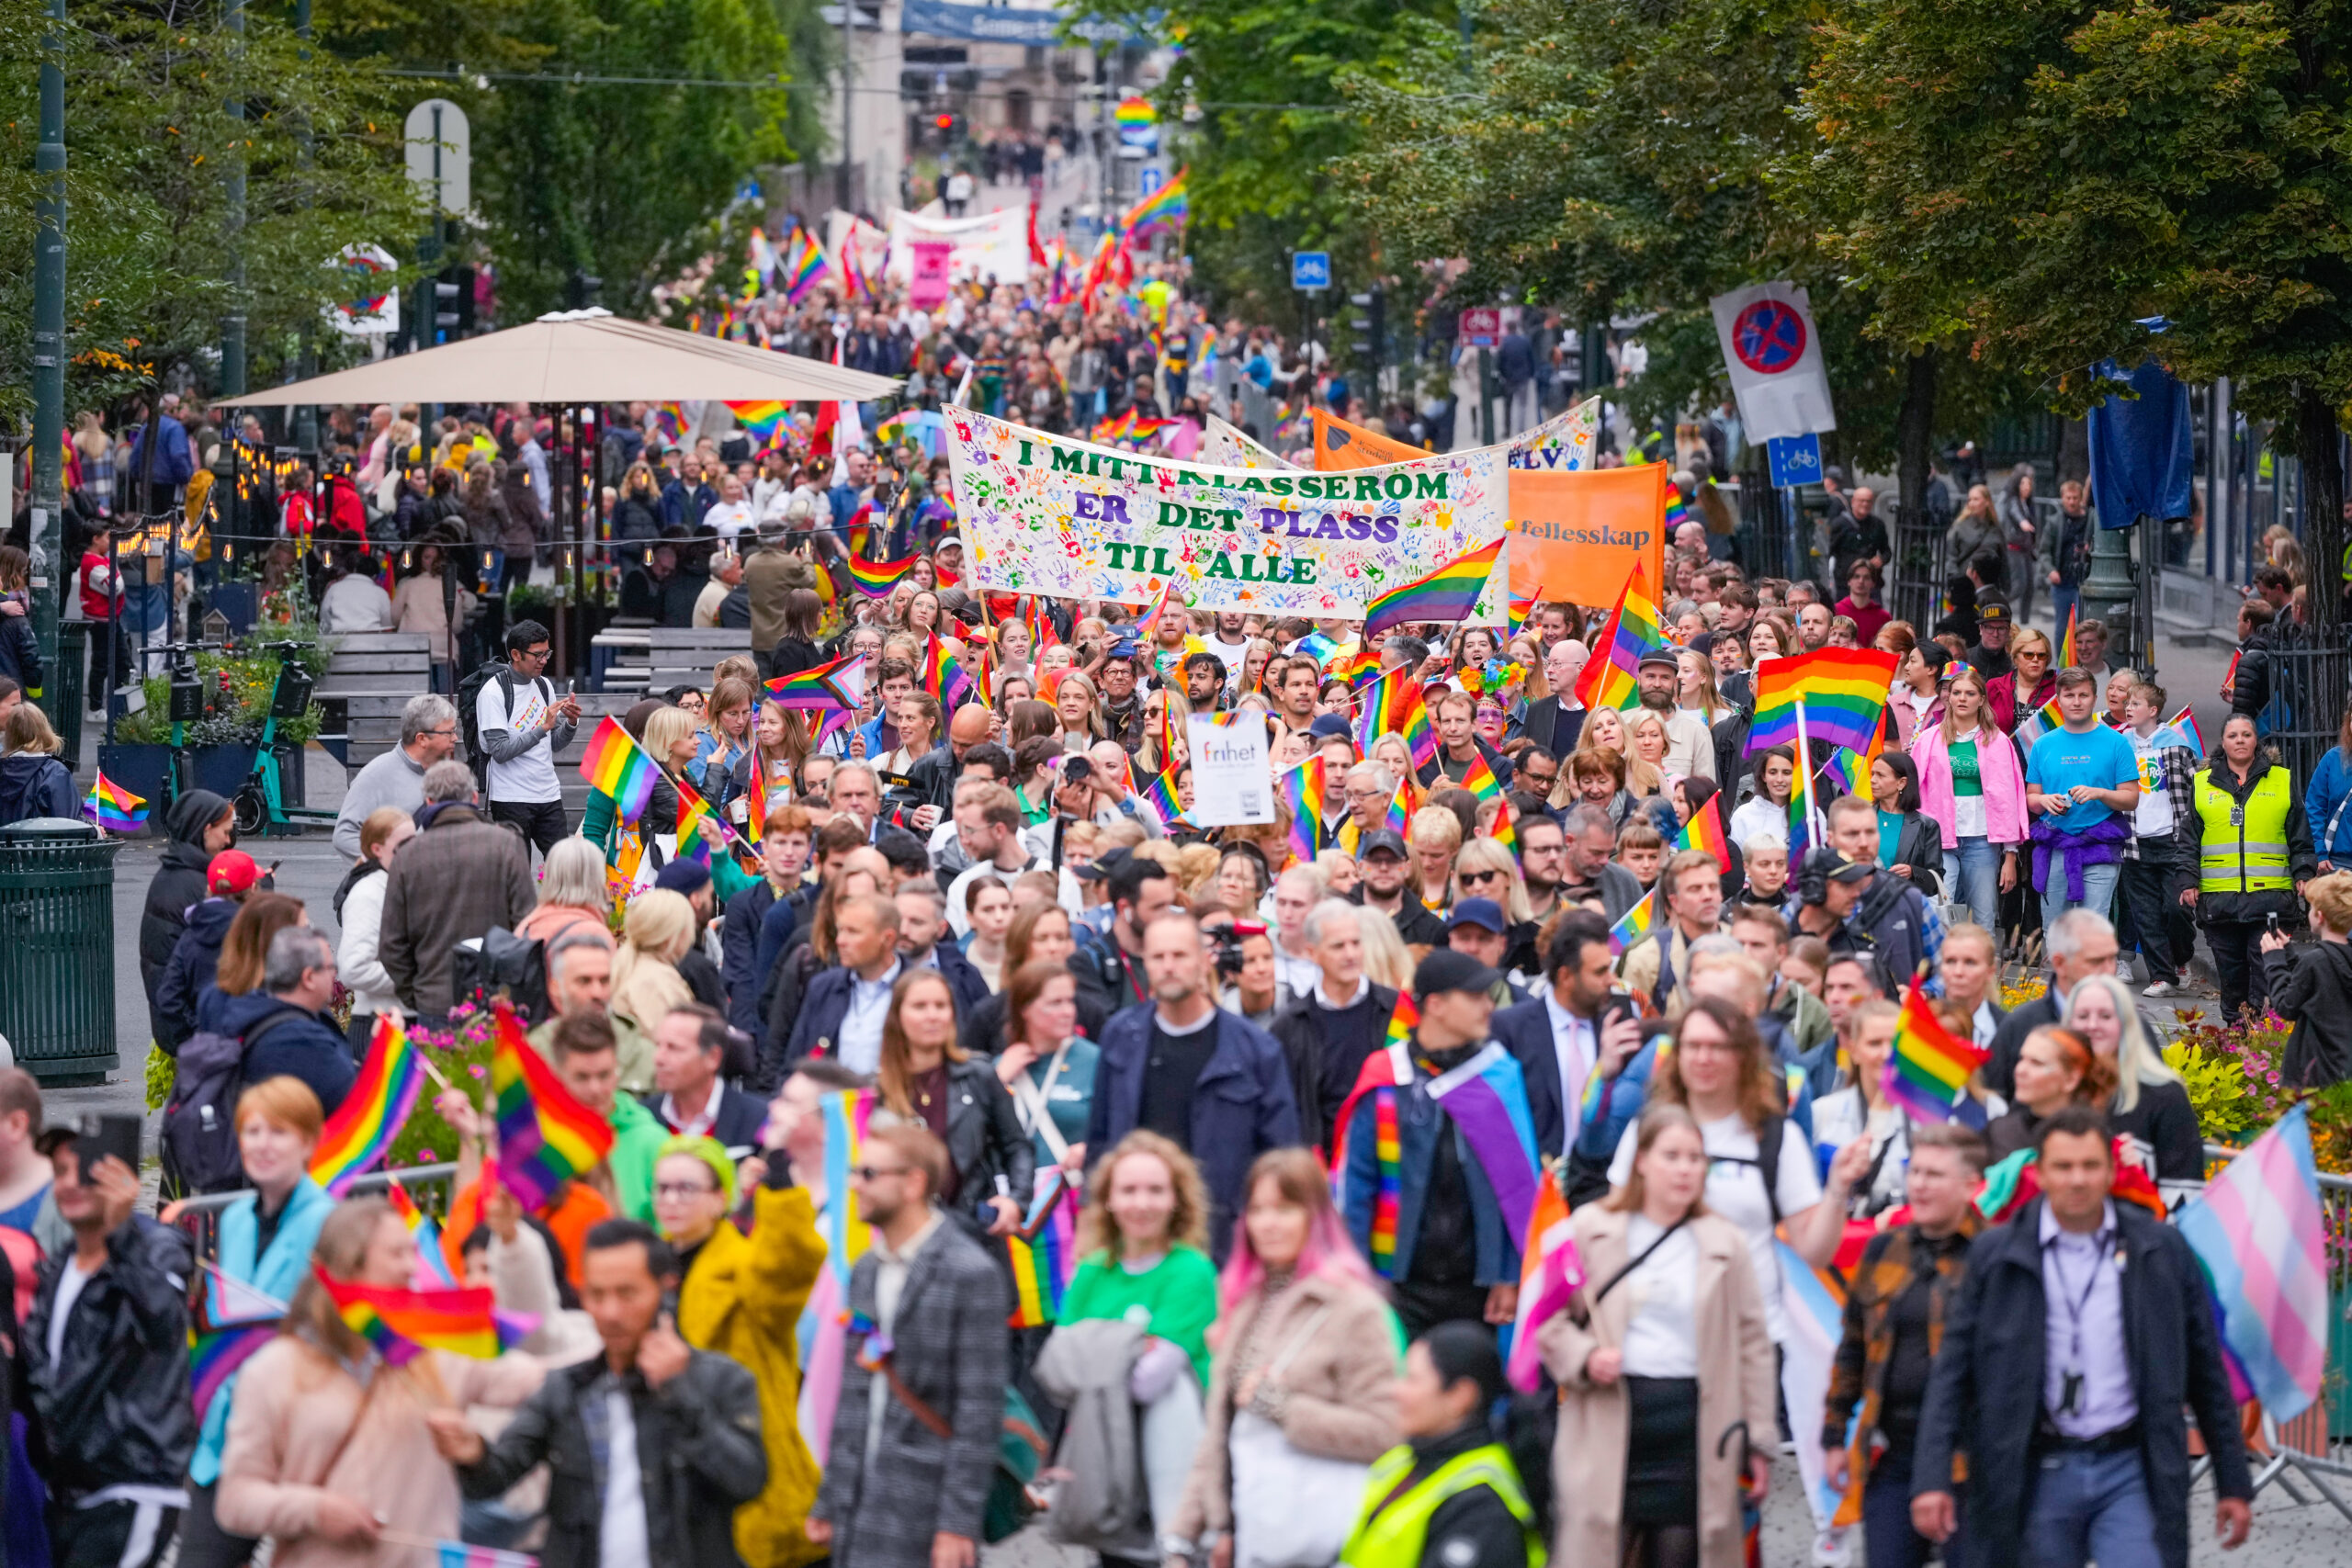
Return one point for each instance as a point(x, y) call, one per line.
point(1175, 1299)
point(637, 1144)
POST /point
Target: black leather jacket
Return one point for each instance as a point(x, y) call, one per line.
point(114, 1408)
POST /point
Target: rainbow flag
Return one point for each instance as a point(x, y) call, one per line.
point(1360, 667)
point(875, 579)
point(2230, 676)
point(1551, 1270)
point(1706, 831)
point(1676, 513)
point(1446, 595)
point(1479, 779)
point(804, 265)
point(2260, 1238)
point(847, 1236)
point(1848, 771)
point(213, 1358)
point(1160, 796)
point(2067, 643)
point(944, 678)
point(693, 811)
point(826, 688)
point(1166, 208)
point(1927, 1074)
point(763, 419)
point(1148, 626)
point(402, 1324)
point(1634, 925)
point(1632, 630)
point(545, 1136)
point(428, 1235)
point(924, 428)
point(1841, 690)
point(1044, 1254)
point(1503, 830)
point(1522, 611)
point(1401, 809)
point(1394, 705)
point(2038, 723)
point(1304, 787)
point(372, 1115)
point(113, 807)
point(458, 1555)
point(615, 765)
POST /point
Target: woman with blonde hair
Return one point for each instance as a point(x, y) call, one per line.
point(1434, 838)
point(2151, 1105)
point(1647, 761)
point(33, 783)
point(725, 736)
point(2030, 682)
point(1307, 1353)
point(328, 1449)
point(573, 894)
point(1385, 957)
point(646, 986)
point(1696, 685)
point(1485, 869)
point(1078, 709)
point(1661, 1353)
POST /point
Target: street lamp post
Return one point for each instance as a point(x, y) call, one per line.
point(49, 567)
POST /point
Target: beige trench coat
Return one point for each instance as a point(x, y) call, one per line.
point(1736, 1372)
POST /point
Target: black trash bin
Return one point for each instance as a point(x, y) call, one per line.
point(63, 701)
point(57, 949)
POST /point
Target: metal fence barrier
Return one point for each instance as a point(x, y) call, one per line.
point(430, 1185)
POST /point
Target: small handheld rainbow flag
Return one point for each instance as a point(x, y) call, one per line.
point(1706, 831)
point(1393, 705)
point(2067, 643)
point(113, 807)
point(1479, 779)
point(1521, 610)
point(1302, 786)
point(213, 1358)
point(1927, 1074)
point(1607, 680)
point(1503, 830)
point(1847, 770)
point(1446, 595)
point(1634, 925)
point(402, 1324)
point(2181, 729)
point(1166, 208)
point(1160, 796)
point(1551, 1270)
point(372, 1115)
point(1148, 626)
point(615, 765)
point(1842, 691)
point(1359, 667)
point(1044, 1254)
point(944, 678)
point(825, 688)
point(545, 1136)
point(847, 1236)
point(693, 811)
point(1401, 809)
point(2038, 723)
point(804, 265)
point(875, 579)
point(428, 1235)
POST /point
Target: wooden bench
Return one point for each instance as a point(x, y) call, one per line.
point(370, 678)
point(653, 658)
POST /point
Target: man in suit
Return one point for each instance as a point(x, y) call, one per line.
point(1553, 723)
point(922, 923)
point(912, 1462)
point(1560, 1036)
point(841, 1011)
point(689, 1049)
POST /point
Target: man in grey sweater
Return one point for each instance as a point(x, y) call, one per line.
point(428, 735)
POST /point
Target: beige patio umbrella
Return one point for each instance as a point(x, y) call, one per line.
point(586, 356)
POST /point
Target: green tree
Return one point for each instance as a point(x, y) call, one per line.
point(2035, 180)
point(148, 148)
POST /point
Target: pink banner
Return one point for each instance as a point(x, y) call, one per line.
point(929, 285)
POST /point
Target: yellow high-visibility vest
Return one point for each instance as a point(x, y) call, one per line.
point(2243, 850)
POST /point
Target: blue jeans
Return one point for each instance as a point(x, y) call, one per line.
point(2091, 1506)
point(1888, 1540)
point(1973, 872)
point(2099, 889)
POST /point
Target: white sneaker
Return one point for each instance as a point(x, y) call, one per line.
point(2158, 988)
point(2123, 970)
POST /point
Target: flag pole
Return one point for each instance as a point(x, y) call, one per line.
point(1804, 772)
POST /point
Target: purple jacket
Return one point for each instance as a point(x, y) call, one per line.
point(2002, 775)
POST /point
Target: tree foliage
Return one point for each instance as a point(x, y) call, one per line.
point(150, 151)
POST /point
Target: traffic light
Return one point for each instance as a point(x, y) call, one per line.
point(580, 290)
point(1370, 325)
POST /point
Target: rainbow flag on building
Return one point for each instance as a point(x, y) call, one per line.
point(1842, 691)
point(1446, 595)
point(113, 807)
point(372, 1115)
point(1632, 630)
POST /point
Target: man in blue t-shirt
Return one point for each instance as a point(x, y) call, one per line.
point(2082, 783)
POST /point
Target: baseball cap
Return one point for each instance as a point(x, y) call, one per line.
point(684, 877)
point(1851, 870)
point(231, 873)
point(1992, 609)
point(1326, 725)
point(1484, 913)
point(1664, 656)
point(1381, 840)
point(1446, 970)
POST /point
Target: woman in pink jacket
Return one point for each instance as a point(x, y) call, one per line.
point(1973, 785)
point(328, 1450)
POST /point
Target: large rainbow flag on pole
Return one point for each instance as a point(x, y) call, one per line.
point(372, 1115)
point(1632, 630)
point(1446, 595)
point(545, 1136)
point(1842, 691)
point(2260, 1236)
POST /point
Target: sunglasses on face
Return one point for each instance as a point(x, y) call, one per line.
point(1476, 876)
point(877, 1172)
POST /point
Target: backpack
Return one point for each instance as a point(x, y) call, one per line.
point(504, 966)
point(469, 707)
point(200, 1133)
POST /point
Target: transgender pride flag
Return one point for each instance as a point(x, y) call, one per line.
point(2257, 1232)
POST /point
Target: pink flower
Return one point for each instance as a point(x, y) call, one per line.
point(478, 1070)
point(426, 1155)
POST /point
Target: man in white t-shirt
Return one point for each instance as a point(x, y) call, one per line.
point(1229, 640)
point(522, 723)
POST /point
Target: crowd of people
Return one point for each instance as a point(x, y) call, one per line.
point(1283, 1338)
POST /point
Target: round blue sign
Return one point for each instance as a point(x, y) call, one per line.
point(1769, 337)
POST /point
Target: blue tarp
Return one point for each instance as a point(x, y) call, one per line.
point(2142, 449)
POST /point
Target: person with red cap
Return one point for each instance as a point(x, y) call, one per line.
point(228, 876)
